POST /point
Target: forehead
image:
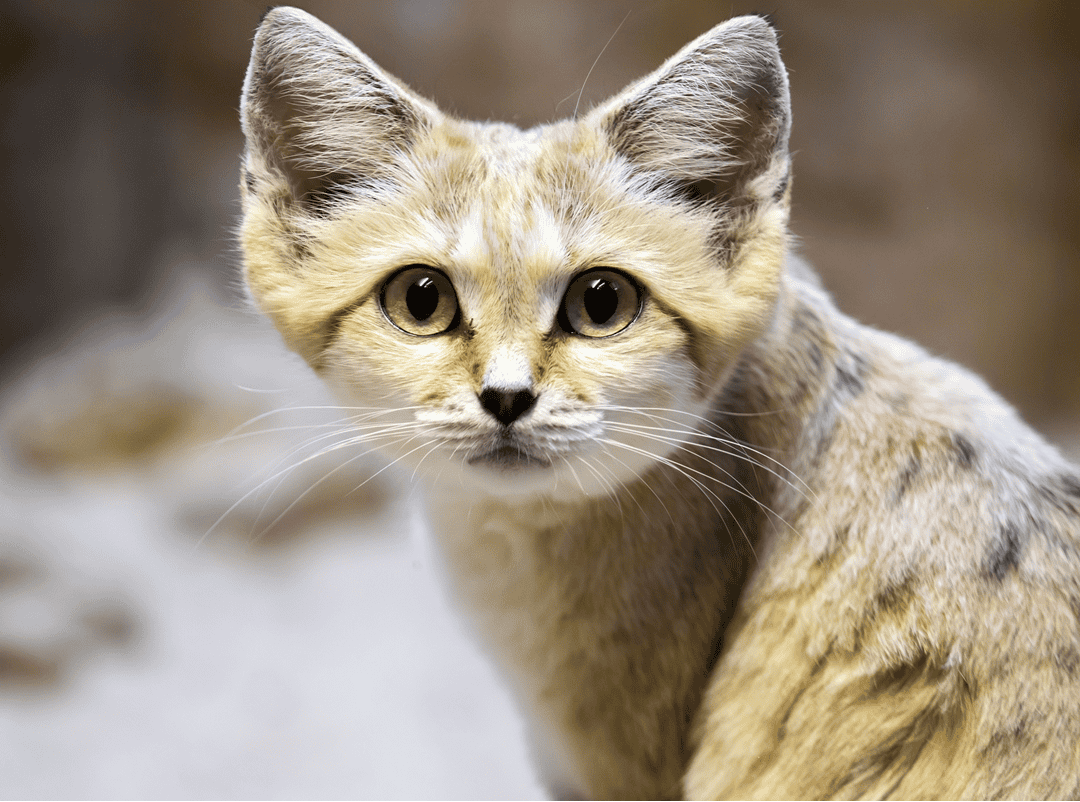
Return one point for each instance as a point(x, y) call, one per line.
point(523, 207)
point(509, 198)
point(511, 216)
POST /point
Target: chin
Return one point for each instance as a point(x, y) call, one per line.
point(523, 479)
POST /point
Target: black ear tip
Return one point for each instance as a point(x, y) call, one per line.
point(769, 17)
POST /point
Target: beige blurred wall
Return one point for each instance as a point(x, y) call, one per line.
point(937, 149)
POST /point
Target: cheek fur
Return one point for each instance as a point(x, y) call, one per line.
point(370, 359)
point(641, 358)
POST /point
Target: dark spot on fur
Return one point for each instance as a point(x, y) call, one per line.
point(1008, 736)
point(894, 755)
point(903, 676)
point(851, 373)
point(909, 471)
point(778, 195)
point(849, 381)
point(1071, 485)
point(781, 729)
point(965, 451)
point(895, 597)
point(1004, 553)
point(805, 320)
point(1068, 659)
point(813, 353)
point(249, 181)
point(301, 252)
point(402, 120)
point(1063, 492)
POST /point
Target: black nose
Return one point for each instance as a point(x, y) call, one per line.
point(507, 405)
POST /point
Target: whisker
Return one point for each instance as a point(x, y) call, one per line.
point(647, 432)
point(350, 441)
point(352, 435)
point(726, 438)
point(683, 469)
point(237, 430)
point(334, 470)
point(647, 485)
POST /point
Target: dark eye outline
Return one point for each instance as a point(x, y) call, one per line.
point(454, 321)
point(639, 297)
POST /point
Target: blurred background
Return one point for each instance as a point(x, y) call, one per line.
point(146, 650)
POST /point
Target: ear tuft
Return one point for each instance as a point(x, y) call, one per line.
point(713, 118)
point(769, 17)
point(319, 116)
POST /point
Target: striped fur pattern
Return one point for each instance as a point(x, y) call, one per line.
point(742, 546)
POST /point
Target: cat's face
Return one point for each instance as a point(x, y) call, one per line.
point(522, 312)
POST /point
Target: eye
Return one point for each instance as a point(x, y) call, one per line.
point(420, 300)
point(600, 303)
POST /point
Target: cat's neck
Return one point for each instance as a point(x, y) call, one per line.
point(581, 598)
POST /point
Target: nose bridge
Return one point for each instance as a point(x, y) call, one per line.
point(507, 343)
point(508, 389)
point(509, 367)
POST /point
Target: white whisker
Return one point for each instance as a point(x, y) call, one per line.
point(685, 470)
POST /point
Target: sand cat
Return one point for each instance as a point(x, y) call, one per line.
point(722, 540)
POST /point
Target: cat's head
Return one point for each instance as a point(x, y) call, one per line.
point(537, 311)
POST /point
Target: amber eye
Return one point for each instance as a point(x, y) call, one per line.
point(600, 303)
point(420, 300)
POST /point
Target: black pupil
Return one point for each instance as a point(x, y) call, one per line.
point(422, 298)
point(601, 300)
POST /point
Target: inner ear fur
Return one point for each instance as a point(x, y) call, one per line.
point(711, 119)
point(319, 116)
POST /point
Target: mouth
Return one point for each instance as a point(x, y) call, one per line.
point(509, 457)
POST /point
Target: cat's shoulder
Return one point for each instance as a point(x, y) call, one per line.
point(931, 578)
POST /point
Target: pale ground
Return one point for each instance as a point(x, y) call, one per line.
point(315, 658)
point(147, 652)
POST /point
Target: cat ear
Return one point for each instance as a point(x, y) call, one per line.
point(713, 118)
point(319, 116)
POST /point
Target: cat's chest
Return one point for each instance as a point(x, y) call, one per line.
point(498, 559)
point(497, 563)
point(579, 603)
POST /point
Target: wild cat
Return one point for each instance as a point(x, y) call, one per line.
point(722, 540)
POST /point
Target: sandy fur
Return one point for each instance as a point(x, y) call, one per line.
point(773, 553)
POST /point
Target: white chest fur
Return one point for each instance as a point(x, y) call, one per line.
point(492, 552)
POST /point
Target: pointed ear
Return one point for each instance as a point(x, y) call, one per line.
point(319, 116)
point(713, 118)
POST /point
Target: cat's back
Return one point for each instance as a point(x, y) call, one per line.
point(919, 610)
